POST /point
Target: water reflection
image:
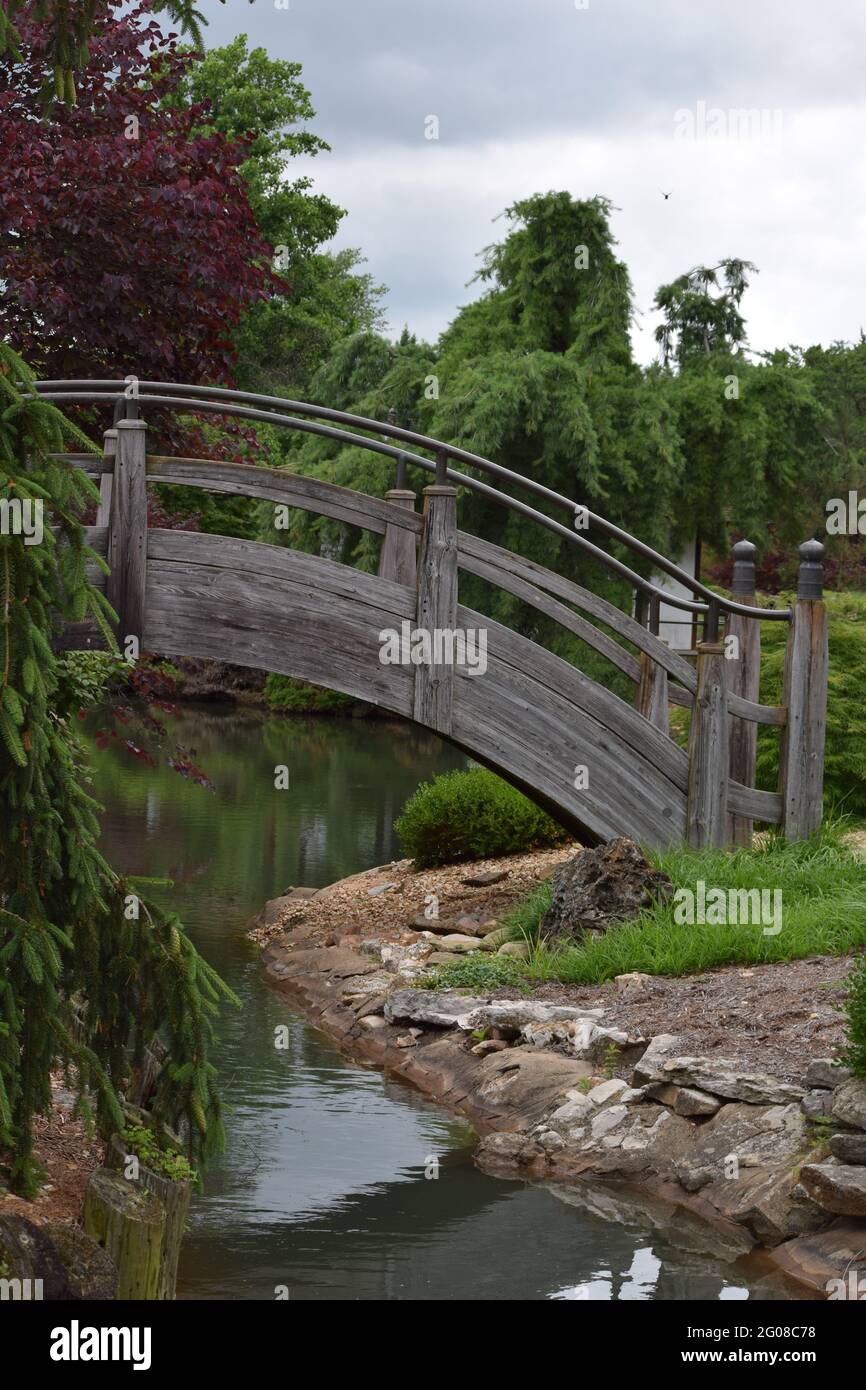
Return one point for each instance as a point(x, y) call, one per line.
point(325, 1188)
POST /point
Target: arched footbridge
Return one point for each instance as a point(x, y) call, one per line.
point(402, 640)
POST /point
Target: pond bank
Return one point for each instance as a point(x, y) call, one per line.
point(722, 1126)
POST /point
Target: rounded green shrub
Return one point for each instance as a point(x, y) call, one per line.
point(471, 815)
point(285, 695)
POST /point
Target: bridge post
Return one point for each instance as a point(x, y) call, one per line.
point(397, 558)
point(651, 699)
point(801, 758)
point(708, 752)
point(744, 677)
point(127, 531)
point(109, 453)
point(437, 605)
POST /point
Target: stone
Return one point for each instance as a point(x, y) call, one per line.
point(722, 1077)
point(684, 1100)
point(409, 961)
point(406, 1040)
point(374, 1005)
point(494, 939)
point(522, 1086)
point(467, 922)
point(489, 927)
point(768, 1201)
point(381, 888)
point(849, 1148)
point(443, 958)
point(661, 1048)
point(757, 1136)
point(839, 1188)
point(634, 985)
point(519, 950)
point(274, 910)
point(817, 1105)
point(441, 1008)
point(483, 1049)
point(577, 1109)
point(440, 926)
point(591, 1042)
point(633, 1095)
point(607, 1090)
point(373, 1022)
point(458, 941)
point(828, 1256)
point(606, 1120)
point(485, 879)
point(300, 895)
point(849, 1103)
point(600, 887)
point(515, 1014)
point(823, 1073)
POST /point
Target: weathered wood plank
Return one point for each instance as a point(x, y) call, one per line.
point(651, 697)
point(744, 679)
point(801, 757)
point(437, 605)
point(286, 489)
point(758, 805)
point(708, 752)
point(398, 558)
point(106, 481)
point(585, 697)
point(127, 531)
point(472, 549)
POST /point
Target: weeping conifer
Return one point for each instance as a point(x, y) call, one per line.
point(89, 970)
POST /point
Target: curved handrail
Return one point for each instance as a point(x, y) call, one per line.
point(190, 398)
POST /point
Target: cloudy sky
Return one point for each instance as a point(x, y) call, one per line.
point(750, 113)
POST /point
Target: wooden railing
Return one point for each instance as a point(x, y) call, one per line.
point(426, 553)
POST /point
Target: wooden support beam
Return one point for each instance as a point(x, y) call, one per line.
point(744, 679)
point(708, 752)
point(398, 558)
point(127, 531)
point(801, 759)
point(109, 453)
point(651, 698)
point(437, 604)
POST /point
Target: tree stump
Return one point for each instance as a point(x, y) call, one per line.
point(175, 1198)
point(129, 1223)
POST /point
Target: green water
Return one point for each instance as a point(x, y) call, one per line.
point(324, 1191)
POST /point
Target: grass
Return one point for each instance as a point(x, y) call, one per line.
point(823, 913)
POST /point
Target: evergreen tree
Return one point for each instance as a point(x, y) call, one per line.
point(89, 970)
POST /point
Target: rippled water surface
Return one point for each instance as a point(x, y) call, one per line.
point(324, 1191)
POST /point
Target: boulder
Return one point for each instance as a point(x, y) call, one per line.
point(772, 1136)
point(849, 1148)
point(836, 1187)
point(849, 1103)
point(633, 986)
point(722, 1077)
point(494, 939)
point(600, 887)
point(515, 1014)
point(823, 1073)
point(519, 950)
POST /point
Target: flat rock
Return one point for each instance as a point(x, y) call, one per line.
point(459, 941)
point(839, 1188)
point(757, 1136)
point(380, 888)
point(606, 1091)
point(488, 1045)
point(524, 1085)
point(849, 1103)
point(440, 1008)
point(517, 1013)
point(725, 1078)
point(849, 1148)
point(485, 879)
point(823, 1073)
point(494, 939)
point(330, 960)
point(443, 958)
point(684, 1100)
point(825, 1257)
point(661, 1048)
point(374, 1022)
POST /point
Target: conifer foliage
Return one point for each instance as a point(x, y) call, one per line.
point(89, 970)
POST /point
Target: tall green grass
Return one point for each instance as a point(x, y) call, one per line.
point(823, 913)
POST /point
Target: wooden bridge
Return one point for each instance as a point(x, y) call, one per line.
point(600, 765)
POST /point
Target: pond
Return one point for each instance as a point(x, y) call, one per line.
point(338, 1183)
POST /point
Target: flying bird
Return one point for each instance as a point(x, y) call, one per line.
point(665, 195)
